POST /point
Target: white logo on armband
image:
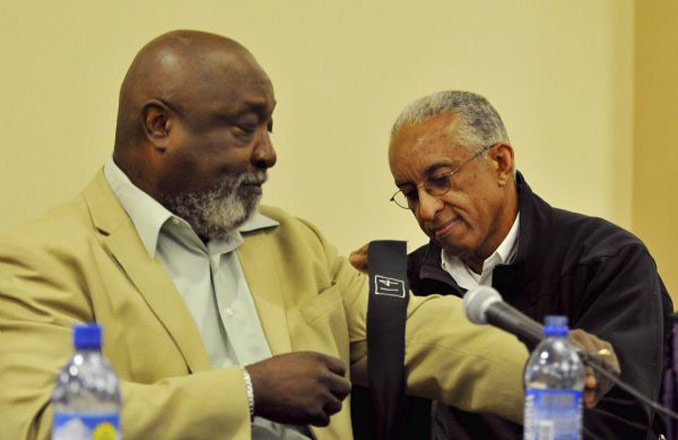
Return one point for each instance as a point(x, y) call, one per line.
point(389, 286)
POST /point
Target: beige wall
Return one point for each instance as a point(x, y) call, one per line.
point(655, 195)
point(559, 71)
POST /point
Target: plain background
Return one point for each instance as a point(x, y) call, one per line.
point(562, 73)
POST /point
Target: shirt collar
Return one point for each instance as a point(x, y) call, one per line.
point(149, 216)
point(507, 249)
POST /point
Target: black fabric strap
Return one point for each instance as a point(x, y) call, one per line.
point(386, 314)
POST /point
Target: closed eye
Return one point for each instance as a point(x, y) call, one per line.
point(439, 181)
point(247, 128)
point(410, 194)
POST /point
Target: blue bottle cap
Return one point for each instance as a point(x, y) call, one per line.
point(87, 336)
point(555, 325)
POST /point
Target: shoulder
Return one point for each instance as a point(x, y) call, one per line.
point(562, 233)
point(298, 245)
point(56, 246)
point(289, 224)
point(63, 226)
point(594, 238)
point(292, 232)
point(416, 258)
point(415, 261)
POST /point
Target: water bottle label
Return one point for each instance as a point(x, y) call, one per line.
point(69, 426)
point(552, 414)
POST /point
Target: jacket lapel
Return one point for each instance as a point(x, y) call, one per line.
point(123, 243)
point(263, 280)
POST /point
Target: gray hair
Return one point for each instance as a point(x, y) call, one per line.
point(481, 125)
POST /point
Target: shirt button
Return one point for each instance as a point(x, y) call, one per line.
point(229, 312)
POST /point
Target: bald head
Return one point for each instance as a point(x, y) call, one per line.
point(177, 69)
point(195, 115)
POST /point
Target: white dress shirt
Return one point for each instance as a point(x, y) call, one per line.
point(211, 283)
point(504, 254)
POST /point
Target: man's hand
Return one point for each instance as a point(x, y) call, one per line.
point(595, 386)
point(299, 388)
point(358, 259)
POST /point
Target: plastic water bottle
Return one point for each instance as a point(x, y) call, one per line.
point(554, 379)
point(86, 397)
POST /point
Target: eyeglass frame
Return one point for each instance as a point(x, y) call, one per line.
point(447, 176)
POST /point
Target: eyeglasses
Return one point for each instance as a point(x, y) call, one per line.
point(434, 185)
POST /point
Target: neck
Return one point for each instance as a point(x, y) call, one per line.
point(139, 175)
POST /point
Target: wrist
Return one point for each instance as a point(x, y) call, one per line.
point(249, 389)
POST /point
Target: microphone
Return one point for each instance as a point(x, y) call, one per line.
point(484, 305)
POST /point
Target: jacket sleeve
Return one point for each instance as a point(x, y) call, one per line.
point(447, 358)
point(41, 297)
point(623, 304)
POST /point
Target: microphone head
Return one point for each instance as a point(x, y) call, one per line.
point(477, 301)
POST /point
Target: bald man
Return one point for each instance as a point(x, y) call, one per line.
point(223, 320)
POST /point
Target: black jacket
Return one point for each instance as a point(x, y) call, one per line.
point(598, 275)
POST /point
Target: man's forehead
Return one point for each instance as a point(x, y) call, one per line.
point(227, 83)
point(419, 150)
point(416, 133)
point(426, 142)
point(240, 97)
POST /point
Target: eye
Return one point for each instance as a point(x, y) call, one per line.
point(247, 128)
point(245, 125)
point(439, 182)
point(245, 132)
point(411, 194)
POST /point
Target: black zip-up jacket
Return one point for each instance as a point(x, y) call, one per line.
point(598, 275)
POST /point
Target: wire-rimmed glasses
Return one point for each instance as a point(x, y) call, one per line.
point(433, 185)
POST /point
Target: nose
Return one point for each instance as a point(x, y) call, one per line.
point(263, 154)
point(428, 205)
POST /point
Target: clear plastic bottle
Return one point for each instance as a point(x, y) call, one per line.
point(86, 397)
point(554, 380)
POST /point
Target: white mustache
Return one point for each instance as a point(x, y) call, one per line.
point(255, 178)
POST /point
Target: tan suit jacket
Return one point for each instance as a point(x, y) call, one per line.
point(84, 261)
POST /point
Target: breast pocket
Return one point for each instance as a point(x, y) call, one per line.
point(320, 324)
point(325, 302)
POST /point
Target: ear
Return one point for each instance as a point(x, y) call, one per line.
point(157, 118)
point(501, 156)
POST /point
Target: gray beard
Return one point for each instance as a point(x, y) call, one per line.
point(217, 212)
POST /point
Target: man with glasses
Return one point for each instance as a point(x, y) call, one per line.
point(454, 167)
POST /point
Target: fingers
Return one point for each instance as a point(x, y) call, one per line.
point(331, 406)
point(610, 360)
point(330, 403)
point(362, 250)
point(590, 387)
point(335, 365)
point(358, 258)
point(339, 386)
point(336, 380)
point(590, 400)
point(299, 388)
point(585, 341)
point(596, 348)
point(596, 386)
point(332, 388)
